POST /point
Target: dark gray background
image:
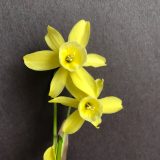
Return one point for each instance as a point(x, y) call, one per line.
point(127, 32)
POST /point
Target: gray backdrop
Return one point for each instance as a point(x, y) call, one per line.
point(127, 33)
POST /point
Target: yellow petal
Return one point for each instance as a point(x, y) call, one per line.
point(84, 81)
point(49, 154)
point(99, 84)
point(80, 33)
point(53, 39)
point(95, 60)
point(97, 122)
point(73, 123)
point(67, 101)
point(41, 60)
point(111, 104)
point(58, 82)
point(74, 91)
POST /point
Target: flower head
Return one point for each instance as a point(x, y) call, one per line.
point(88, 108)
point(70, 57)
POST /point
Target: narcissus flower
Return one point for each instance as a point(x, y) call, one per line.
point(88, 107)
point(69, 56)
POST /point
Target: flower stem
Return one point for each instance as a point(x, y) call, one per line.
point(55, 125)
point(59, 148)
point(64, 136)
point(58, 142)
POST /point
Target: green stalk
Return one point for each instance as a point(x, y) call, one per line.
point(58, 142)
point(59, 148)
point(55, 125)
point(64, 135)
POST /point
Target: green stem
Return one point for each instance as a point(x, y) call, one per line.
point(64, 135)
point(58, 142)
point(59, 148)
point(55, 125)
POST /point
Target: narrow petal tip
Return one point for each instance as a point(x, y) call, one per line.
point(53, 38)
point(48, 27)
point(51, 101)
point(97, 122)
point(111, 104)
point(80, 32)
point(95, 60)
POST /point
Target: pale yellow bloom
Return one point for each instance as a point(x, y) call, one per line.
point(50, 154)
point(69, 56)
point(88, 107)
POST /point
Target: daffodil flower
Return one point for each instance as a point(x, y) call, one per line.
point(69, 56)
point(88, 108)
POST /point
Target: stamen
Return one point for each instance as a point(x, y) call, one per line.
point(69, 59)
point(89, 106)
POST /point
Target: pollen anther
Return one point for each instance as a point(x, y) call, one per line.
point(88, 106)
point(69, 59)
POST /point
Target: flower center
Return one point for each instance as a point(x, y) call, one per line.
point(69, 58)
point(90, 109)
point(72, 56)
point(88, 106)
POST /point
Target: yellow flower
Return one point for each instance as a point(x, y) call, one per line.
point(49, 154)
point(88, 108)
point(69, 56)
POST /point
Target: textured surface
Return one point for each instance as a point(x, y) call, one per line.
point(125, 31)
